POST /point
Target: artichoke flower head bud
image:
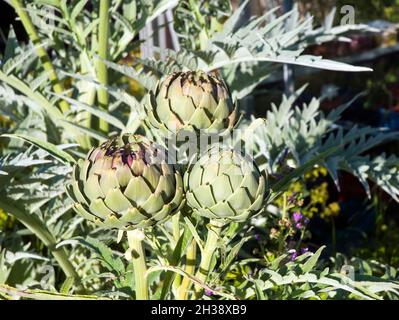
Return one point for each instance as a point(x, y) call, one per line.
point(225, 186)
point(126, 183)
point(191, 101)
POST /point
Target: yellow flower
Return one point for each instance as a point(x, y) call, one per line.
point(6, 221)
point(334, 207)
point(319, 194)
point(316, 173)
point(331, 211)
point(3, 218)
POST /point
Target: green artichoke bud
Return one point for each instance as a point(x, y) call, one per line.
point(224, 185)
point(126, 183)
point(191, 101)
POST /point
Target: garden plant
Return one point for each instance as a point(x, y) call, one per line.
point(126, 175)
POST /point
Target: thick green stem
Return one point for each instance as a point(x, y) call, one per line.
point(191, 255)
point(135, 239)
point(41, 52)
point(214, 230)
point(176, 237)
point(63, 260)
point(37, 227)
point(102, 73)
point(176, 227)
point(88, 96)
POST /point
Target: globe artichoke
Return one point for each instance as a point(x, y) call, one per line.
point(224, 186)
point(191, 101)
point(126, 183)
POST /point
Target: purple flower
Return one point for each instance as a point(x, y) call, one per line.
point(257, 237)
point(297, 216)
point(305, 220)
point(294, 254)
point(299, 225)
point(208, 292)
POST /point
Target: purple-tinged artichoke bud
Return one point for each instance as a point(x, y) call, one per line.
point(126, 183)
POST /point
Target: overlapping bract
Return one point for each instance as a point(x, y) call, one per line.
point(191, 101)
point(225, 186)
point(126, 183)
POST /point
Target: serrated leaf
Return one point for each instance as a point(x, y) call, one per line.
point(311, 262)
point(77, 9)
point(52, 149)
point(94, 111)
point(105, 254)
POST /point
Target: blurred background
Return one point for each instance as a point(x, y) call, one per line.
point(366, 227)
point(346, 220)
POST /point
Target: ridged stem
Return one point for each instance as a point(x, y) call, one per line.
point(135, 239)
point(41, 52)
point(87, 96)
point(102, 72)
point(189, 269)
point(214, 231)
point(176, 226)
point(176, 237)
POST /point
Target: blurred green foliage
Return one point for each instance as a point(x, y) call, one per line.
point(373, 9)
point(364, 10)
point(197, 21)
